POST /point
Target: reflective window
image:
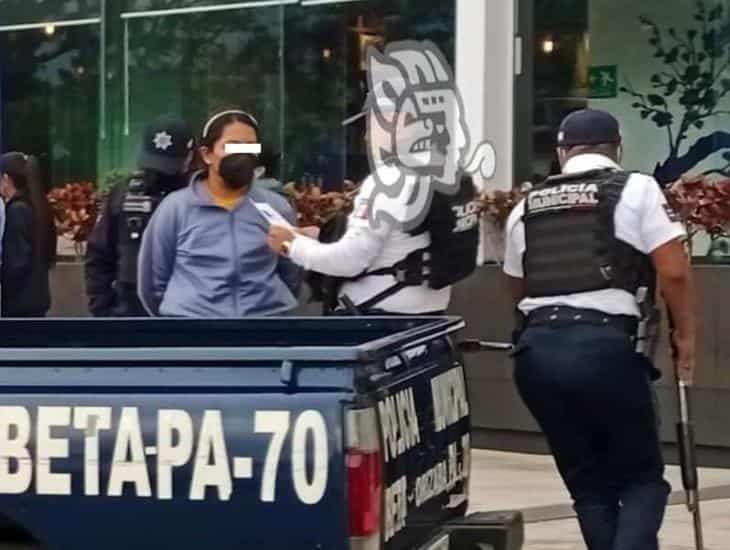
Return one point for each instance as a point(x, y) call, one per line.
point(49, 85)
point(661, 67)
point(79, 79)
point(195, 63)
point(325, 76)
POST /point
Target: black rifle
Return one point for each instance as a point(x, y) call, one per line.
point(686, 442)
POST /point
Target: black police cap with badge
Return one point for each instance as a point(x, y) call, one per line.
point(166, 146)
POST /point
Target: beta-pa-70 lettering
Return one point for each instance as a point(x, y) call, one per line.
point(32, 447)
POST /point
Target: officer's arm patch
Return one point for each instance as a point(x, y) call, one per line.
point(672, 214)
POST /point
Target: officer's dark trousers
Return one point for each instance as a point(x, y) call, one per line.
point(590, 393)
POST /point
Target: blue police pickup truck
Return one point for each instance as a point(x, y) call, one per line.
point(295, 433)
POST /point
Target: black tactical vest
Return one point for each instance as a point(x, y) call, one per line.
point(453, 223)
point(570, 239)
point(136, 211)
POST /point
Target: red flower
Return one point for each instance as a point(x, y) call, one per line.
point(75, 207)
point(314, 207)
point(703, 203)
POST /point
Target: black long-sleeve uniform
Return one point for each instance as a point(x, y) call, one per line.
point(113, 246)
point(26, 288)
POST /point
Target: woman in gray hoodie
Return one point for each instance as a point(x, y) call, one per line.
point(204, 253)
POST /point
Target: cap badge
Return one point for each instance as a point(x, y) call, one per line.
point(162, 141)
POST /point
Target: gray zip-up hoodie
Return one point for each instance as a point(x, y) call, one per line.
point(198, 259)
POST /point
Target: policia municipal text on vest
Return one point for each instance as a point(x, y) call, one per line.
point(570, 238)
point(571, 246)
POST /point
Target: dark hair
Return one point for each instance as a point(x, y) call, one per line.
point(15, 165)
point(214, 127)
point(269, 160)
point(24, 172)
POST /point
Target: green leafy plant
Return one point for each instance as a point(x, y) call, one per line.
point(695, 75)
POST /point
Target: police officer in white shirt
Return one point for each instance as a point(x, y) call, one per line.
point(364, 249)
point(386, 269)
point(580, 248)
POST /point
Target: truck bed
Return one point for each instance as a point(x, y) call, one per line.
point(354, 334)
point(157, 433)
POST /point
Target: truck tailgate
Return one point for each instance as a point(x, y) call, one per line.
point(425, 427)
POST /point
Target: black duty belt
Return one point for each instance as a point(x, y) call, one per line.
point(562, 315)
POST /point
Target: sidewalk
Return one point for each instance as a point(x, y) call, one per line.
point(506, 481)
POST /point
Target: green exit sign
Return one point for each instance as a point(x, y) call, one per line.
point(603, 82)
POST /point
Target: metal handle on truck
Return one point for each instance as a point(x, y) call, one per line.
point(479, 346)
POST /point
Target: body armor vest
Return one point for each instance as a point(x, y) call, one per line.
point(570, 239)
point(453, 224)
point(136, 211)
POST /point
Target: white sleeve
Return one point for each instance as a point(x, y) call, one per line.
point(515, 243)
point(354, 253)
point(659, 223)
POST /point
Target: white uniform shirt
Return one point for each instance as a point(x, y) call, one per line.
point(362, 249)
point(642, 219)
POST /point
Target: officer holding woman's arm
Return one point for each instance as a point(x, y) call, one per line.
point(580, 248)
point(385, 268)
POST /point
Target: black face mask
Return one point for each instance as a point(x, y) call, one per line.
point(237, 170)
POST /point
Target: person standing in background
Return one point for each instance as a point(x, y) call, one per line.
point(29, 242)
point(113, 247)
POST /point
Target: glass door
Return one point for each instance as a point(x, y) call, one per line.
point(553, 83)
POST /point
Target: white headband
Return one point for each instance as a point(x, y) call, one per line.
point(210, 122)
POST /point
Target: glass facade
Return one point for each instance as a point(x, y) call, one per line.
point(662, 68)
point(49, 84)
point(81, 78)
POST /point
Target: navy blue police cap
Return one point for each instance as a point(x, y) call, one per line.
point(166, 145)
point(589, 127)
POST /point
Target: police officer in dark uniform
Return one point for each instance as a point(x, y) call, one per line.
point(111, 257)
point(584, 252)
